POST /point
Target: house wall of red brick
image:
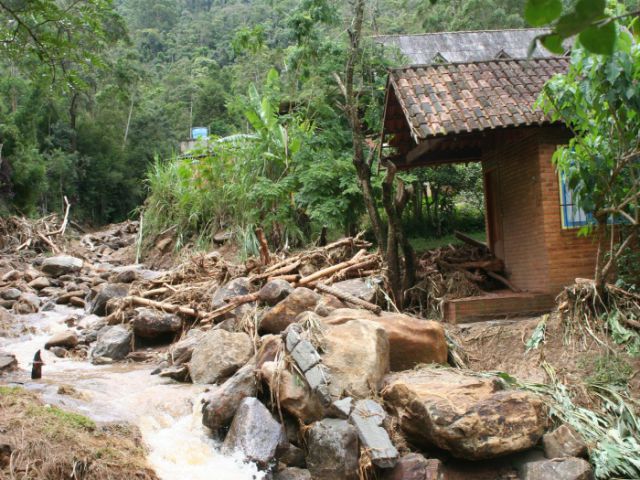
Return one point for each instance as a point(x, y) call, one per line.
point(514, 156)
point(539, 255)
point(569, 256)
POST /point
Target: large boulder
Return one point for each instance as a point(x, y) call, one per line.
point(112, 343)
point(219, 405)
point(66, 339)
point(218, 355)
point(558, 469)
point(255, 434)
point(357, 356)
point(472, 417)
point(285, 312)
point(61, 265)
point(103, 294)
point(236, 287)
point(293, 393)
point(333, 450)
point(149, 323)
point(414, 466)
point(412, 341)
point(181, 351)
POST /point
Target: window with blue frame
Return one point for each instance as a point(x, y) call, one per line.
point(572, 215)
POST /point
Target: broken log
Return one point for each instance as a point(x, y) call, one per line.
point(504, 281)
point(348, 298)
point(470, 241)
point(286, 269)
point(490, 265)
point(165, 307)
point(325, 272)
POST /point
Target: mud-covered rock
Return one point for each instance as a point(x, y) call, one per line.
point(66, 339)
point(113, 343)
point(285, 312)
point(39, 283)
point(292, 473)
point(333, 450)
point(218, 355)
point(414, 466)
point(357, 356)
point(293, 393)
point(558, 469)
point(236, 287)
point(219, 405)
point(61, 265)
point(27, 303)
point(104, 293)
point(8, 361)
point(274, 291)
point(363, 288)
point(149, 323)
point(255, 434)
point(181, 351)
point(472, 417)
point(412, 341)
point(10, 293)
point(564, 441)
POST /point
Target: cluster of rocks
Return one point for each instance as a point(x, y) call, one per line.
point(323, 391)
point(309, 389)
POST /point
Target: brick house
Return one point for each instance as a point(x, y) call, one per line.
point(483, 111)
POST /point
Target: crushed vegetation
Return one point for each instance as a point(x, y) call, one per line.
point(44, 442)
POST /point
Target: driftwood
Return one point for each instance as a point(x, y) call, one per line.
point(470, 241)
point(504, 281)
point(284, 270)
point(348, 298)
point(358, 258)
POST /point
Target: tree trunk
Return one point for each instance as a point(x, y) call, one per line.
point(417, 202)
point(363, 168)
point(73, 114)
point(396, 238)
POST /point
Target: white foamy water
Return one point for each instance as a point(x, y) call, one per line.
point(168, 414)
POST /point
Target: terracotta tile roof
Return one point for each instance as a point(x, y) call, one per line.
point(439, 100)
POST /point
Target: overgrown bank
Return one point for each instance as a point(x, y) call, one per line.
point(42, 442)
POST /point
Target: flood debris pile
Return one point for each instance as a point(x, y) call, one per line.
point(307, 375)
point(20, 234)
point(455, 271)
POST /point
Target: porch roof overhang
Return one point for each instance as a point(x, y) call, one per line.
point(436, 114)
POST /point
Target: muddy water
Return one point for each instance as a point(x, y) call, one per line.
point(167, 414)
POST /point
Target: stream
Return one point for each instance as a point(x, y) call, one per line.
point(167, 413)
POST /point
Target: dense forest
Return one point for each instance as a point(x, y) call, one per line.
point(94, 107)
point(90, 128)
